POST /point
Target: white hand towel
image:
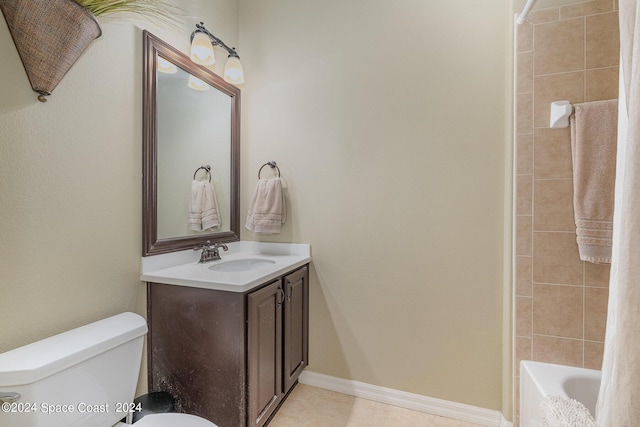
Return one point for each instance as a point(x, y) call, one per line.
point(267, 211)
point(210, 209)
point(196, 201)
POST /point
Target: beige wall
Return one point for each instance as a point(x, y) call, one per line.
point(387, 120)
point(568, 52)
point(70, 182)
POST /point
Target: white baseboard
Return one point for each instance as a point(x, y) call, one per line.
point(403, 399)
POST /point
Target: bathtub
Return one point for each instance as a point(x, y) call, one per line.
point(538, 380)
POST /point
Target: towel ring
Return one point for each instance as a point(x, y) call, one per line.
point(207, 168)
point(272, 165)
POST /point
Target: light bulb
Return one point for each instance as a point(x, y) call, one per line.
point(233, 72)
point(202, 50)
point(166, 67)
point(197, 84)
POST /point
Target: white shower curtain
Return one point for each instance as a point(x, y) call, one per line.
point(619, 398)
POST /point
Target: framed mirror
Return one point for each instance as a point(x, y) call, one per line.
point(191, 134)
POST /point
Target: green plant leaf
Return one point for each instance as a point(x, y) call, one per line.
point(153, 9)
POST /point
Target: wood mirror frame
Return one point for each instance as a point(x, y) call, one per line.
point(151, 243)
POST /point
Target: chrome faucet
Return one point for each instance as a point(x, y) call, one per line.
point(211, 252)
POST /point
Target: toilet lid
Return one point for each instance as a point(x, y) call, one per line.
point(173, 420)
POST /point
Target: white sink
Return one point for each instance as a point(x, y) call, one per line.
point(241, 264)
point(244, 266)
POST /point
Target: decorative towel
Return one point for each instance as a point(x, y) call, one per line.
point(593, 148)
point(196, 201)
point(267, 211)
point(210, 209)
point(204, 213)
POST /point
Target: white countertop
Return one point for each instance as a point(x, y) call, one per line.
point(182, 268)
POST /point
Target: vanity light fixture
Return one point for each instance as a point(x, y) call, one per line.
point(202, 43)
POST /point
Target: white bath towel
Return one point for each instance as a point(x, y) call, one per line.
point(204, 213)
point(267, 211)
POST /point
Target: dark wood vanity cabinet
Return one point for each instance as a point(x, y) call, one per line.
point(278, 322)
point(226, 356)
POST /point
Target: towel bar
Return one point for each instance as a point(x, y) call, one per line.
point(559, 114)
point(207, 168)
point(272, 165)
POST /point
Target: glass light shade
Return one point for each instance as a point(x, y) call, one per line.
point(202, 50)
point(233, 72)
point(197, 84)
point(166, 67)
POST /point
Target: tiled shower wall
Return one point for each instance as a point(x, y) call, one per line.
point(570, 53)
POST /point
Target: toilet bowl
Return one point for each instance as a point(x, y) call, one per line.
point(85, 377)
point(171, 420)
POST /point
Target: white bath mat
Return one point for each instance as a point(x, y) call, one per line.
point(558, 411)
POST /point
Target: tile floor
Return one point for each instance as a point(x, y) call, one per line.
point(315, 407)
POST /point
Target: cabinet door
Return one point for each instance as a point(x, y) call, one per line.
point(196, 350)
point(265, 352)
point(296, 325)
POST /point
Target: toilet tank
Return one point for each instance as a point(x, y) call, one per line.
point(83, 377)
